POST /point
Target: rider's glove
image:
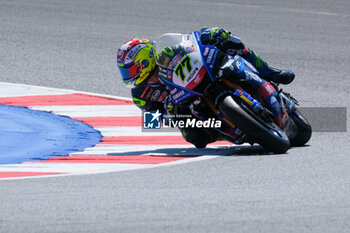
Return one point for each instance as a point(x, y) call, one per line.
point(214, 36)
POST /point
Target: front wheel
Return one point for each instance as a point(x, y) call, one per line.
point(268, 135)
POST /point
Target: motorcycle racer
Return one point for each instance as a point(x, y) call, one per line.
point(137, 65)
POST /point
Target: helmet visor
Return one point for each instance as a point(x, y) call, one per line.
point(129, 73)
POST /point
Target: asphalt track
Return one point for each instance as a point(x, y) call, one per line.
point(72, 45)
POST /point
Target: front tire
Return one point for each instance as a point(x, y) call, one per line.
point(268, 135)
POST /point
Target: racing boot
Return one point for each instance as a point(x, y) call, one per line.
point(268, 72)
point(199, 137)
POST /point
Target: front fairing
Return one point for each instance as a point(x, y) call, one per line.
point(184, 63)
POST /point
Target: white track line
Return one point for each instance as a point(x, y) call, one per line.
point(152, 149)
point(79, 168)
point(91, 110)
point(131, 131)
point(15, 90)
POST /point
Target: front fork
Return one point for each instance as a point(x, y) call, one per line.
point(228, 130)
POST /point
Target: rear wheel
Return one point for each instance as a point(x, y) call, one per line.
point(304, 129)
point(267, 134)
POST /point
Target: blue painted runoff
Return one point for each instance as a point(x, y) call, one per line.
point(30, 135)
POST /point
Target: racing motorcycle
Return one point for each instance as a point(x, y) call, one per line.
point(200, 77)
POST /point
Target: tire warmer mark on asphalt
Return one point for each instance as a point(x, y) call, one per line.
point(123, 146)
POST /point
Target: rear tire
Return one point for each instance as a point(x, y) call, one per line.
point(268, 135)
point(304, 129)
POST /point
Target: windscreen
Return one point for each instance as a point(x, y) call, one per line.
point(171, 39)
